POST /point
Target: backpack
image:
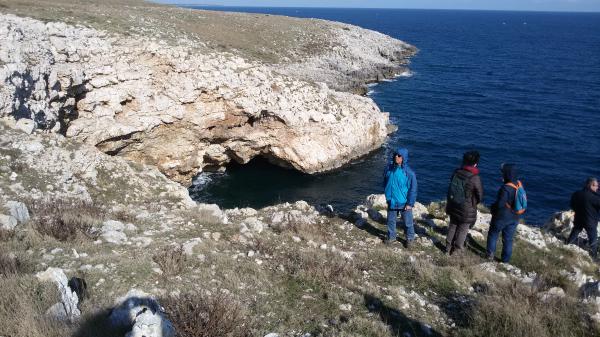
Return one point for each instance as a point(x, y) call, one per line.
point(520, 204)
point(457, 193)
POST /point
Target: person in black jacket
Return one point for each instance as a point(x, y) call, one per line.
point(586, 204)
point(504, 219)
point(464, 193)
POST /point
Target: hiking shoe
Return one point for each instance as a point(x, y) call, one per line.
point(388, 242)
point(447, 250)
point(490, 257)
point(410, 244)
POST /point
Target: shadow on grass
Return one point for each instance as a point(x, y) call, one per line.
point(97, 324)
point(398, 322)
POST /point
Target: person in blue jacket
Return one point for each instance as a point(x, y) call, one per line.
point(400, 184)
point(504, 219)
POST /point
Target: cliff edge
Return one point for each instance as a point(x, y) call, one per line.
point(189, 90)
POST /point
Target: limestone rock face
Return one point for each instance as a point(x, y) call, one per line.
point(186, 111)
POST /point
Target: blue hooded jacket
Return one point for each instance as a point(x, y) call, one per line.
point(400, 182)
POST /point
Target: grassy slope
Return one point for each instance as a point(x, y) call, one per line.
point(272, 39)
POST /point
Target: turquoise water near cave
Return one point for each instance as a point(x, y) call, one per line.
point(520, 87)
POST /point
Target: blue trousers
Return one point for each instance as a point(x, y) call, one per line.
point(407, 217)
point(508, 230)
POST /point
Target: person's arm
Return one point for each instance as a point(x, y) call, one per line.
point(412, 190)
point(477, 189)
point(501, 199)
point(386, 175)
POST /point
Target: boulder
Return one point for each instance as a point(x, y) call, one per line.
point(66, 309)
point(8, 222)
point(376, 201)
point(18, 210)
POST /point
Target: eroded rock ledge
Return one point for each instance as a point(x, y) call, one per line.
point(186, 109)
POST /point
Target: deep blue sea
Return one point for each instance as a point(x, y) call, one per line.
point(520, 87)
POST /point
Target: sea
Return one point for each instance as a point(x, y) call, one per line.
point(519, 87)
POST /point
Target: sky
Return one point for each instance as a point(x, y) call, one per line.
point(535, 5)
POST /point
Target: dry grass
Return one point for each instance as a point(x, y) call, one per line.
point(11, 264)
point(321, 265)
point(23, 302)
point(515, 310)
point(171, 260)
point(271, 38)
point(66, 220)
point(219, 315)
point(6, 235)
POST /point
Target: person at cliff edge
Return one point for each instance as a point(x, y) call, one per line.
point(506, 210)
point(586, 205)
point(464, 193)
point(400, 185)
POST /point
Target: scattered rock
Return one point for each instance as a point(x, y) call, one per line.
point(66, 309)
point(18, 210)
point(8, 222)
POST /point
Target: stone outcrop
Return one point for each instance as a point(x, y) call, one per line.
point(186, 110)
point(66, 309)
point(50, 166)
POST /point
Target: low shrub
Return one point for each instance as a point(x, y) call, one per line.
point(516, 310)
point(171, 260)
point(321, 265)
point(67, 220)
point(11, 264)
point(23, 303)
point(196, 315)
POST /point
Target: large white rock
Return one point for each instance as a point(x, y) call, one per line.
point(18, 210)
point(66, 309)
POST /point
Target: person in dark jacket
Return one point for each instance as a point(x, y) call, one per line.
point(504, 219)
point(400, 186)
point(464, 193)
point(586, 204)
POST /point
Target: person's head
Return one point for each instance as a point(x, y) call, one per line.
point(591, 183)
point(398, 159)
point(401, 156)
point(471, 158)
point(509, 172)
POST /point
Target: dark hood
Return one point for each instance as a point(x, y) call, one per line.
point(404, 153)
point(509, 173)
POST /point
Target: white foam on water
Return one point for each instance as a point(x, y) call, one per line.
point(406, 73)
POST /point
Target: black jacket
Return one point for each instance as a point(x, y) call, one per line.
point(506, 196)
point(466, 213)
point(586, 205)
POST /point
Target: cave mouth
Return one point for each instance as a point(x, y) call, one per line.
point(260, 183)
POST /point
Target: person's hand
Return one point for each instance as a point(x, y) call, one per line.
point(407, 207)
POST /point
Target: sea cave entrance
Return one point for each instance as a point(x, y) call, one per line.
point(260, 183)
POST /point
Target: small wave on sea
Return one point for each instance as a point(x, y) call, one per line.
point(202, 180)
point(406, 73)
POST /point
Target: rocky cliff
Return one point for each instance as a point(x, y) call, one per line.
point(184, 106)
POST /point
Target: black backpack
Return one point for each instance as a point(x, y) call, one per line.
point(457, 191)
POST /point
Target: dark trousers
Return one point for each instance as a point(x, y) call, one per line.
point(592, 233)
point(457, 234)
